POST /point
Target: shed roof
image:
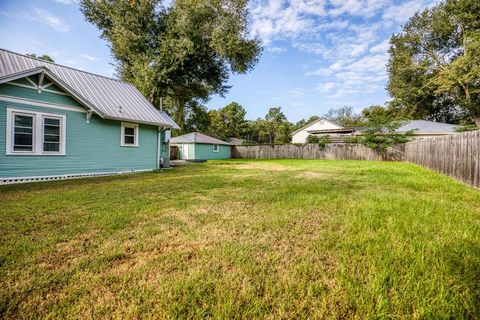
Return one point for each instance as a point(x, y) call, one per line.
point(197, 137)
point(425, 126)
point(104, 95)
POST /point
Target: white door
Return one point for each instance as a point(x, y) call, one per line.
point(185, 151)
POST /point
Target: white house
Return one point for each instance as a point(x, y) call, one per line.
point(301, 135)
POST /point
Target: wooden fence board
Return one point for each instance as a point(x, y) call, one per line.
point(454, 155)
point(332, 151)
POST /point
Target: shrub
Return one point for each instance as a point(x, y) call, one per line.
point(380, 135)
point(321, 141)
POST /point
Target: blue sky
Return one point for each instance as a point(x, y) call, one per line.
point(318, 54)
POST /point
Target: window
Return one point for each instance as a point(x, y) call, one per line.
point(129, 137)
point(51, 134)
point(216, 148)
point(35, 133)
point(23, 133)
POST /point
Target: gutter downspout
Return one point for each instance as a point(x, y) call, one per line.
point(159, 135)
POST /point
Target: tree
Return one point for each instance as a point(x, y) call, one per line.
point(433, 67)
point(228, 122)
point(344, 116)
point(380, 134)
point(183, 52)
point(45, 57)
point(277, 126)
point(197, 118)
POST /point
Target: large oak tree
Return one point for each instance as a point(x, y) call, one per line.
point(183, 52)
point(434, 67)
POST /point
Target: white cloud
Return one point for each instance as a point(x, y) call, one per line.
point(66, 2)
point(349, 37)
point(88, 57)
point(381, 47)
point(278, 18)
point(296, 92)
point(49, 19)
point(365, 8)
point(363, 75)
point(276, 49)
point(402, 12)
point(326, 86)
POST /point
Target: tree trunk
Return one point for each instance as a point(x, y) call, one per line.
point(180, 113)
point(477, 120)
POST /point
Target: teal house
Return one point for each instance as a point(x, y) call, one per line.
point(198, 146)
point(58, 122)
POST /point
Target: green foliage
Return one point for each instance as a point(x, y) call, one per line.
point(465, 128)
point(321, 141)
point(228, 122)
point(312, 138)
point(183, 52)
point(391, 111)
point(45, 57)
point(380, 134)
point(197, 118)
point(434, 63)
point(276, 126)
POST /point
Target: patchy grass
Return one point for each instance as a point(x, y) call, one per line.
point(244, 239)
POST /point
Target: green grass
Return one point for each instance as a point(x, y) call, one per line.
point(244, 239)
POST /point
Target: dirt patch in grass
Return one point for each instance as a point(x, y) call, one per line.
point(314, 175)
point(268, 166)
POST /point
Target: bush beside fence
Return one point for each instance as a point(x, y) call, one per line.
point(456, 155)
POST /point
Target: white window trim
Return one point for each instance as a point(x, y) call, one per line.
point(217, 149)
point(122, 134)
point(37, 132)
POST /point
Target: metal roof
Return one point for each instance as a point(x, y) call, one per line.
point(104, 95)
point(425, 126)
point(197, 137)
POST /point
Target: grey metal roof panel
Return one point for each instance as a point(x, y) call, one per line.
point(197, 137)
point(425, 126)
point(106, 94)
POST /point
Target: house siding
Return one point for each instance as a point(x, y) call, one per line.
point(205, 152)
point(31, 94)
point(90, 148)
point(302, 135)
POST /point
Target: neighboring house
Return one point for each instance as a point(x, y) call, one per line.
point(58, 122)
point(427, 129)
point(320, 126)
point(198, 146)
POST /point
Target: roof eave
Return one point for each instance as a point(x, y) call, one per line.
point(313, 122)
point(58, 81)
point(160, 124)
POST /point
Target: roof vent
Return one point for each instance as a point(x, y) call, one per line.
point(120, 109)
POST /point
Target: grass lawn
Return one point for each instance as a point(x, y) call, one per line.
point(244, 239)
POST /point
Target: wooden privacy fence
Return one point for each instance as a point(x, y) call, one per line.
point(332, 151)
point(456, 155)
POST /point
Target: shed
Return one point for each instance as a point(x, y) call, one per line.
point(199, 146)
